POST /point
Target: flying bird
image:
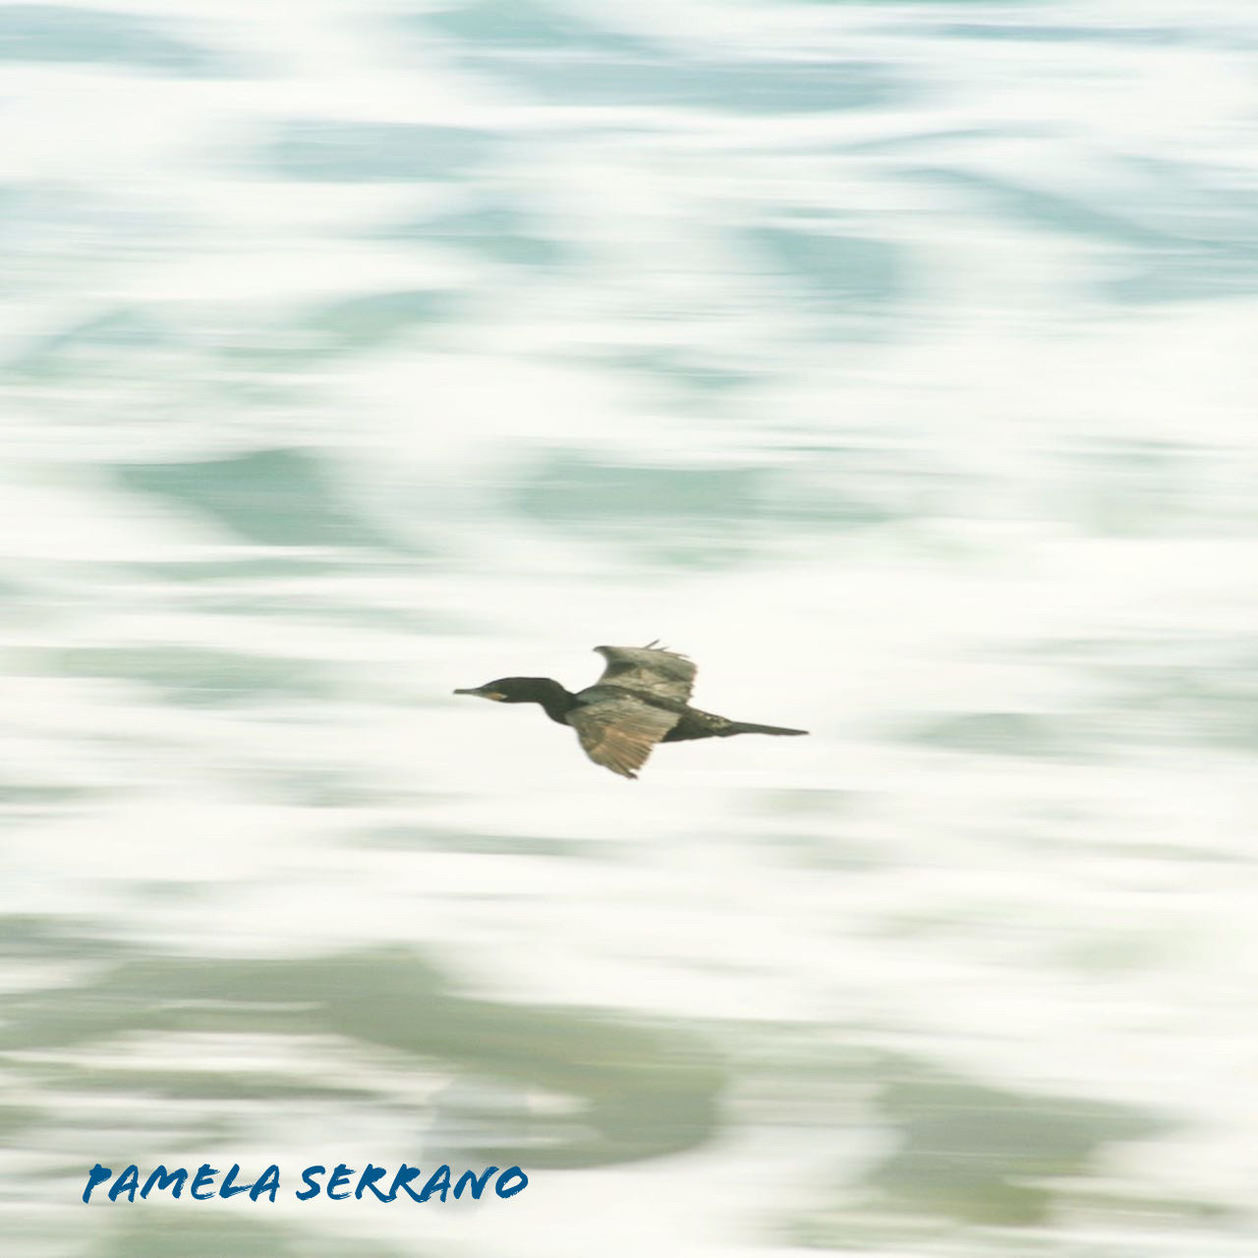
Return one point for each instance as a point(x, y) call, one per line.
point(641, 699)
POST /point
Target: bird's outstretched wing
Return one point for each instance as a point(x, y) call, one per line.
point(619, 731)
point(650, 670)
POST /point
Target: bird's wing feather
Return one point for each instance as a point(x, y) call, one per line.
point(619, 731)
point(649, 670)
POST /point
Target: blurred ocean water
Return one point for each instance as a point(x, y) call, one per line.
point(895, 360)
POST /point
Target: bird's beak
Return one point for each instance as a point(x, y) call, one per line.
point(480, 692)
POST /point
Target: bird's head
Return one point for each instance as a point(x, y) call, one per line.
point(513, 689)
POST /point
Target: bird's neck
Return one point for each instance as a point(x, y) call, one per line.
point(555, 700)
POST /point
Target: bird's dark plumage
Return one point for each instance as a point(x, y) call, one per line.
point(641, 699)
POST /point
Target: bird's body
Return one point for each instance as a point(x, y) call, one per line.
point(641, 699)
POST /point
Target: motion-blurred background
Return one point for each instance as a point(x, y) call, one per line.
point(895, 360)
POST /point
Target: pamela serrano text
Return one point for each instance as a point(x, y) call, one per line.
point(343, 1183)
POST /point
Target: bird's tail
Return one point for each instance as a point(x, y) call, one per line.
point(748, 727)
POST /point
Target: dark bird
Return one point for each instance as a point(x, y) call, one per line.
point(641, 699)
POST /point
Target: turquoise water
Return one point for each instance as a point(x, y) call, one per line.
point(894, 360)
